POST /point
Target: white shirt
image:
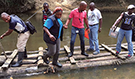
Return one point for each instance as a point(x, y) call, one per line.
point(94, 16)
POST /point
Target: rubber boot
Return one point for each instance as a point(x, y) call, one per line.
point(71, 51)
point(55, 59)
point(45, 58)
point(20, 59)
point(25, 54)
point(83, 51)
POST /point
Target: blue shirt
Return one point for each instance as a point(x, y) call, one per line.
point(49, 23)
point(13, 22)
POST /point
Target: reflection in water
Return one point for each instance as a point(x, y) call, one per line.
point(36, 40)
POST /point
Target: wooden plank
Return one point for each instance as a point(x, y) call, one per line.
point(66, 48)
point(10, 59)
point(40, 54)
point(112, 51)
point(125, 47)
point(72, 60)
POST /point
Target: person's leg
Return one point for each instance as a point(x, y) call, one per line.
point(21, 44)
point(90, 39)
point(56, 55)
point(119, 40)
point(128, 36)
point(72, 41)
point(51, 52)
point(82, 41)
point(95, 38)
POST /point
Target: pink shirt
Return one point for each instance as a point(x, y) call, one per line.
point(78, 18)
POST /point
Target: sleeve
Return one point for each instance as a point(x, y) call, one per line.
point(85, 14)
point(71, 14)
point(48, 23)
point(99, 15)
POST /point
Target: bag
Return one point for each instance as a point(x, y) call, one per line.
point(30, 27)
point(86, 34)
point(114, 32)
point(133, 34)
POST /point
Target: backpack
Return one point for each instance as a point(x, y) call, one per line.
point(30, 27)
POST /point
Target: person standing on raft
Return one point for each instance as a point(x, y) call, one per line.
point(79, 16)
point(53, 28)
point(128, 19)
point(16, 24)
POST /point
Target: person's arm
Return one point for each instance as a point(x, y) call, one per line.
point(49, 34)
point(100, 25)
point(67, 22)
point(8, 32)
point(118, 20)
point(86, 22)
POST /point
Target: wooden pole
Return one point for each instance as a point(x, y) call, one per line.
point(40, 54)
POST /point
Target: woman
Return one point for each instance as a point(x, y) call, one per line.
point(53, 32)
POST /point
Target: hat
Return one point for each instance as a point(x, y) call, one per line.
point(131, 7)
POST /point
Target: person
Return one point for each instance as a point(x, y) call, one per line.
point(46, 12)
point(52, 36)
point(16, 24)
point(95, 24)
point(79, 16)
point(128, 19)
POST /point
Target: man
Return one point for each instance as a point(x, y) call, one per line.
point(16, 24)
point(95, 24)
point(128, 19)
point(79, 16)
point(46, 12)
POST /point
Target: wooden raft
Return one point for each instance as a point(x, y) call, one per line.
point(30, 65)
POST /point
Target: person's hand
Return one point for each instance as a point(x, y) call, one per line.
point(1, 36)
point(113, 27)
point(65, 26)
point(52, 37)
point(88, 30)
point(99, 30)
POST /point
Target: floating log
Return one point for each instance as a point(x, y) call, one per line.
point(40, 55)
point(9, 60)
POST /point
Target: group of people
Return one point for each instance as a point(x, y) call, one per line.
point(53, 30)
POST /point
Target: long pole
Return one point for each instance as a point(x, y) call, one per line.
point(3, 50)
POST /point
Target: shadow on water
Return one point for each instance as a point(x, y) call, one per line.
point(36, 40)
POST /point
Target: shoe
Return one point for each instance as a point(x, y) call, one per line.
point(90, 50)
point(95, 53)
point(129, 56)
point(45, 59)
point(57, 64)
point(117, 53)
point(70, 55)
point(18, 64)
point(85, 54)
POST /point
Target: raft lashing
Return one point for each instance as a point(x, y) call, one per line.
point(34, 64)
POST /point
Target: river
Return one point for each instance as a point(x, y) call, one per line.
point(36, 40)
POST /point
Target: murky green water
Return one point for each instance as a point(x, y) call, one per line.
point(36, 40)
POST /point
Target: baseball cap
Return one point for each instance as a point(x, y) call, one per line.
point(131, 6)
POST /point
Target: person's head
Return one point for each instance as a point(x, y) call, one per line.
point(58, 12)
point(82, 6)
point(92, 6)
point(131, 9)
point(45, 6)
point(5, 17)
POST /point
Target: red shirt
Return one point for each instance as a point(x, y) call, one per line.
point(78, 18)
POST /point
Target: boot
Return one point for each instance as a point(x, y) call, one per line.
point(83, 50)
point(55, 58)
point(45, 58)
point(71, 51)
point(20, 59)
point(25, 54)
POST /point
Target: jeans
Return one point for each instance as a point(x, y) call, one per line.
point(74, 32)
point(93, 38)
point(128, 36)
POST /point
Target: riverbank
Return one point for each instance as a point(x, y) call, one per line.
point(67, 5)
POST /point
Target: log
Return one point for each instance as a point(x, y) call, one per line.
point(112, 51)
point(9, 60)
point(67, 50)
point(72, 60)
point(40, 54)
